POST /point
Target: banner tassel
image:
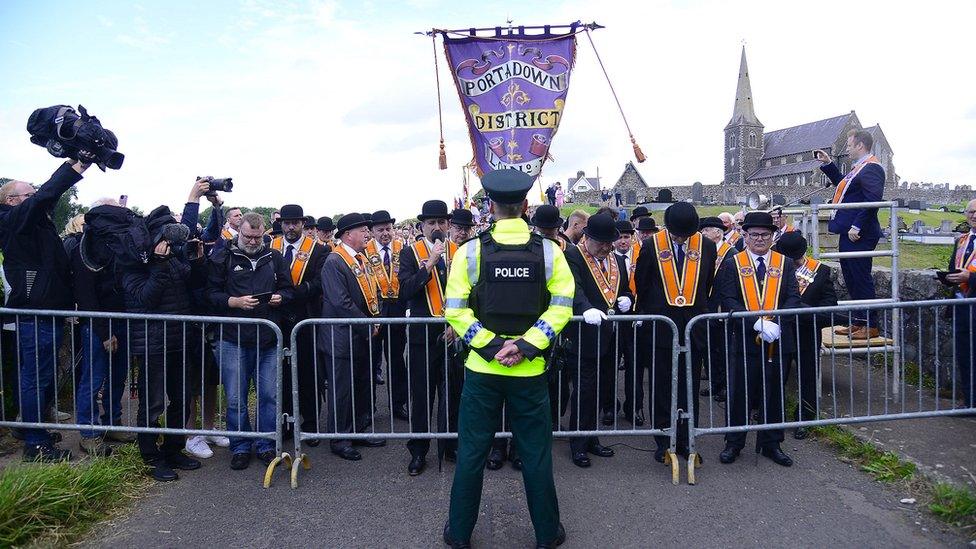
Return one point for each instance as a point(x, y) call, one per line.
point(637, 150)
point(442, 157)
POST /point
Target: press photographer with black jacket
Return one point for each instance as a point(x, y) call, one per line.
point(164, 286)
point(36, 275)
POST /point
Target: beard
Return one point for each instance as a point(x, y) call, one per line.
point(251, 250)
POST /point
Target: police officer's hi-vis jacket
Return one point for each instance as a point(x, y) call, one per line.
point(526, 292)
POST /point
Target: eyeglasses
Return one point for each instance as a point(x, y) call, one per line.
point(760, 236)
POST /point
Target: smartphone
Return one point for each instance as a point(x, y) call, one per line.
point(941, 275)
point(263, 297)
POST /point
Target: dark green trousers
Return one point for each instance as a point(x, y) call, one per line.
point(527, 402)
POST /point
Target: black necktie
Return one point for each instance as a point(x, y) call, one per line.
point(679, 256)
point(603, 267)
point(289, 254)
point(969, 249)
point(760, 271)
point(386, 258)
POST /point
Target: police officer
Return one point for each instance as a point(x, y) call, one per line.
point(509, 293)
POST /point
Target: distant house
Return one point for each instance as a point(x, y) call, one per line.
point(583, 184)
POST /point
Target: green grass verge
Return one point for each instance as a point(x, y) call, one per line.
point(951, 504)
point(55, 504)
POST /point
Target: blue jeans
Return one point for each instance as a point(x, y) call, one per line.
point(239, 365)
point(38, 340)
point(100, 370)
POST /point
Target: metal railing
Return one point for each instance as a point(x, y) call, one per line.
point(850, 384)
point(175, 365)
point(349, 355)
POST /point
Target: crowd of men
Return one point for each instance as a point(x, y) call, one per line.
point(366, 266)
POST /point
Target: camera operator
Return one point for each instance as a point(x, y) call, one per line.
point(36, 276)
point(211, 234)
point(163, 285)
point(250, 280)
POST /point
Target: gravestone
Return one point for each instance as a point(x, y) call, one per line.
point(918, 226)
point(901, 202)
point(778, 200)
point(946, 226)
point(914, 205)
point(697, 194)
point(664, 195)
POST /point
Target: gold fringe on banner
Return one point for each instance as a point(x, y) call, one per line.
point(442, 157)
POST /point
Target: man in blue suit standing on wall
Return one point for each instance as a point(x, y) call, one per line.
point(859, 229)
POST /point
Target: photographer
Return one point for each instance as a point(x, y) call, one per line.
point(250, 280)
point(37, 276)
point(163, 285)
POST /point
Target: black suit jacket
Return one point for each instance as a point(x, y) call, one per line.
point(342, 298)
point(413, 292)
point(651, 298)
point(867, 186)
point(585, 339)
point(952, 266)
point(731, 295)
point(307, 297)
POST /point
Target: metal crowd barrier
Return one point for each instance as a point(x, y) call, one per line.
point(177, 360)
point(349, 408)
point(835, 380)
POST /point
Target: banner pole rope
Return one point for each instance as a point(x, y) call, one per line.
point(442, 157)
point(637, 150)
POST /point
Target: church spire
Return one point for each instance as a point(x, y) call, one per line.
point(743, 112)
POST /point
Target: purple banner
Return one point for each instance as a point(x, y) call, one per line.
point(513, 91)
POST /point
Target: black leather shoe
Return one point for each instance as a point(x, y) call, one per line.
point(600, 450)
point(449, 539)
point(560, 539)
point(607, 418)
point(417, 465)
point(660, 453)
point(181, 462)
point(348, 452)
point(46, 453)
point(162, 473)
point(400, 412)
point(720, 396)
point(801, 433)
point(729, 454)
point(778, 456)
point(580, 459)
point(369, 443)
point(267, 457)
point(240, 461)
point(495, 460)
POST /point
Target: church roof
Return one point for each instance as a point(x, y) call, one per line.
point(630, 167)
point(805, 137)
point(784, 169)
point(743, 111)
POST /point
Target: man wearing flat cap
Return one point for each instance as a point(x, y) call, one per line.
point(601, 289)
point(304, 258)
point(383, 253)
point(349, 291)
point(674, 278)
point(758, 279)
point(423, 277)
point(509, 294)
point(816, 289)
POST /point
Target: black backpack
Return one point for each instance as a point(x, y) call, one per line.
point(113, 233)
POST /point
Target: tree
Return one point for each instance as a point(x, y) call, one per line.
point(66, 208)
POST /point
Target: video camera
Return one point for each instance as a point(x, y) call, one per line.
point(67, 134)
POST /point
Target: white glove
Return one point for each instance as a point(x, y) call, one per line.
point(624, 303)
point(771, 330)
point(594, 316)
point(758, 325)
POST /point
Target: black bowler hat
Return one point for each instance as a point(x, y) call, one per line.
point(276, 227)
point(639, 212)
point(760, 220)
point(291, 212)
point(380, 217)
point(625, 226)
point(508, 186)
point(681, 219)
point(462, 218)
point(646, 224)
point(369, 219)
point(325, 224)
point(350, 221)
point(711, 222)
point(792, 245)
point(602, 228)
point(309, 222)
point(434, 209)
point(547, 217)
